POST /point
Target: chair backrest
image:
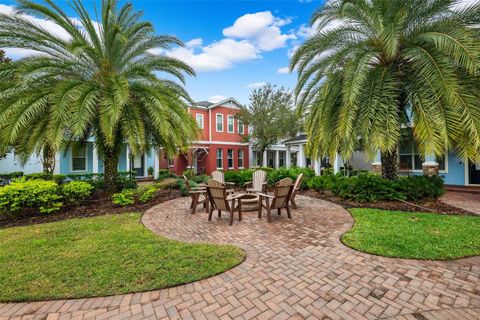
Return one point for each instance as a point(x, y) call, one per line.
point(217, 193)
point(258, 179)
point(298, 181)
point(218, 175)
point(187, 184)
point(283, 191)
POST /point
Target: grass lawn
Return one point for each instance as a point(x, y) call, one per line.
point(100, 256)
point(414, 235)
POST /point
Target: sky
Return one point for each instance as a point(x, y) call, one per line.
point(234, 46)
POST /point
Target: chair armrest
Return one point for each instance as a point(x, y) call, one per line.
point(204, 185)
point(197, 192)
point(199, 188)
point(265, 195)
point(235, 196)
point(230, 183)
point(247, 183)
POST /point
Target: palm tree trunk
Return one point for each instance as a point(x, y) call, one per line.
point(390, 165)
point(48, 159)
point(111, 168)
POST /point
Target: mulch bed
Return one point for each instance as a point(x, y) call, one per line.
point(100, 204)
point(430, 206)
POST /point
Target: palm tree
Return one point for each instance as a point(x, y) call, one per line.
point(376, 67)
point(96, 79)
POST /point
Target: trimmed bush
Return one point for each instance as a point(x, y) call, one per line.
point(146, 193)
point(11, 175)
point(367, 187)
point(38, 195)
point(124, 198)
point(76, 191)
point(418, 188)
point(164, 174)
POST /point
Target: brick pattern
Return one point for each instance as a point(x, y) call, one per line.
point(463, 200)
point(295, 269)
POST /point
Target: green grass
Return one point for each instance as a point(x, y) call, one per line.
point(414, 235)
point(100, 256)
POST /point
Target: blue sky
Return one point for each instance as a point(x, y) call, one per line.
point(234, 45)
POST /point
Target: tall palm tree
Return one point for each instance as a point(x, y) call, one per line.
point(95, 79)
point(375, 67)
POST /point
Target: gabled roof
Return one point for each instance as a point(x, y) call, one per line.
point(229, 103)
point(299, 138)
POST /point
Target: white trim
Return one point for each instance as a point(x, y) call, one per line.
point(127, 162)
point(296, 142)
point(221, 142)
point(86, 159)
point(156, 164)
point(233, 159)
point(243, 158)
point(216, 122)
point(222, 104)
point(197, 115)
point(95, 159)
point(209, 125)
point(467, 175)
point(228, 123)
point(216, 158)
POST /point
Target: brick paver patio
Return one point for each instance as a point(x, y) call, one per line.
point(294, 269)
point(463, 200)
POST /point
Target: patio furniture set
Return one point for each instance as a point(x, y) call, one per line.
point(219, 195)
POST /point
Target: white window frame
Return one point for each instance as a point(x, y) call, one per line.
point(86, 158)
point(233, 159)
point(232, 119)
point(170, 162)
point(241, 151)
point(200, 117)
point(217, 158)
point(216, 121)
point(412, 156)
point(241, 126)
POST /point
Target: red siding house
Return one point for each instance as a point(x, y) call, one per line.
point(221, 145)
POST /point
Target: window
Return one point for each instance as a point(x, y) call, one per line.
point(230, 122)
point(219, 158)
point(170, 162)
point(281, 160)
point(79, 157)
point(230, 158)
point(219, 122)
point(240, 127)
point(410, 158)
point(240, 158)
point(199, 118)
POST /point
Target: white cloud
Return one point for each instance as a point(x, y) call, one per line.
point(216, 98)
point(283, 70)
point(262, 28)
point(194, 43)
point(219, 55)
point(256, 85)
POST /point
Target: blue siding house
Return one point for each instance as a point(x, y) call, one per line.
point(83, 157)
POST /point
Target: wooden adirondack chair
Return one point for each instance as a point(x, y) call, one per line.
point(296, 188)
point(280, 200)
point(220, 176)
point(258, 183)
point(221, 201)
point(198, 195)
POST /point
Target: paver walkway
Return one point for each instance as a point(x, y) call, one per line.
point(463, 200)
point(294, 269)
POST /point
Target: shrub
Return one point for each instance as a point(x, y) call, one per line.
point(203, 178)
point(281, 173)
point(189, 173)
point(11, 175)
point(150, 171)
point(124, 198)
point(367, 187)
point(146, 193)
point(36, 194)
point(164, 174)
point(416, 188)
point(76, 191)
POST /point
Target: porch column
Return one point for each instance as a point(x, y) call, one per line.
point(156, 163)
point(264, 161)
point(317, 163)
point(95, 159)
point(128, 158)
point(277, 159)
point(430, 166)
point(301, 156)
point(56, 169)
point(288, 157)
point(377, 163)
point(336, 163)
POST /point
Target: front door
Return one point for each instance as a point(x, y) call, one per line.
point(474, 173)
point(139, 165)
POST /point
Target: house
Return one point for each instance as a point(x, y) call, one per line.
point(84, 158)
point(222, 142)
